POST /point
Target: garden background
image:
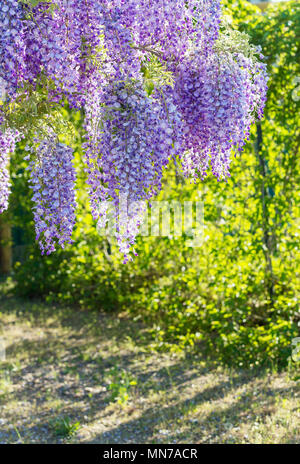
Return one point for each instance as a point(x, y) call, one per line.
point(234, 300)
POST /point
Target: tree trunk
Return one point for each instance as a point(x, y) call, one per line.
point(267, 236)
point(5, 247)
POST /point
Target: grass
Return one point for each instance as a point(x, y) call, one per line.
point(84, 377)
point(64, 428)
point(5, 383)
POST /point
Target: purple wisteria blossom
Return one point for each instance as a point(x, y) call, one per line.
point(92, 56)
point(135, 137)
point(52, 180)
point(218, 97)
point(12, 44)
point(7, 146)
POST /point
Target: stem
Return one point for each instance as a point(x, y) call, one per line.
point(265, 213)
point(148, 50)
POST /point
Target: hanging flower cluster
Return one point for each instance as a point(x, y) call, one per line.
point(7, 146)
point(12, 44)
point(218, 97)
point(52, 178)
point(135, 138)
point(153, 83)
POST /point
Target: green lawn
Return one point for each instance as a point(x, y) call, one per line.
point(75, 376)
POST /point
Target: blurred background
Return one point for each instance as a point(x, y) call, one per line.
point(236, 298)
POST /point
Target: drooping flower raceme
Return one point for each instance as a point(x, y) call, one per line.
point(153, 80)
point(218, 99)
point(136, 136)
point(12, 44)
point(52, 180)
point(7, 146)
point(169, 26)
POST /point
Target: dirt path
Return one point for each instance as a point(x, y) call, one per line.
point(83, 377)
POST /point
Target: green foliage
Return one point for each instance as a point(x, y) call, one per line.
point(156, 75)
point(34, 2)
point(64, 428)
point(236, 297)
point(120, 384)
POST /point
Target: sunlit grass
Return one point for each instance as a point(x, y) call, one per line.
point(87, 378)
